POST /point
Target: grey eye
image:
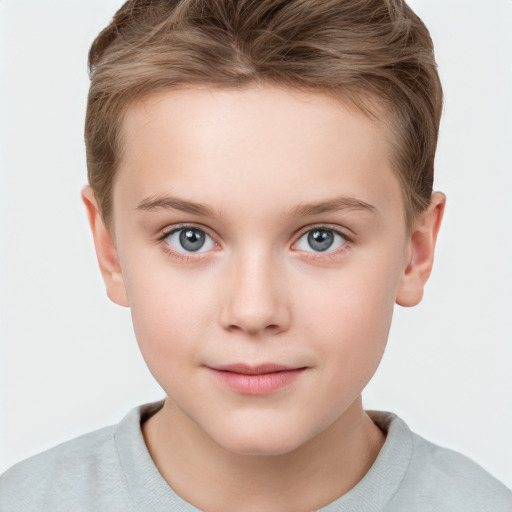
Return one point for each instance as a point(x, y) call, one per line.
point(321, 240)
point(190, 240)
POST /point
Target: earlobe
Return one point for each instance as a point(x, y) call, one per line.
point(106, 251)
point(422, 244)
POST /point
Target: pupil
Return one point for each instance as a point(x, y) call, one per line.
point(320, 239)
point(192, 239)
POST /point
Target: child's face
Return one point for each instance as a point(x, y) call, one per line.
point(292, 252)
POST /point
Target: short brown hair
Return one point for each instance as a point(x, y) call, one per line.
point(359, 49)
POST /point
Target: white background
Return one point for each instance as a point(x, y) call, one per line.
point(68, 359)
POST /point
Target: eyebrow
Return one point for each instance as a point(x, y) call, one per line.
point(332, 205)
point(174, 203)
point(300, 210)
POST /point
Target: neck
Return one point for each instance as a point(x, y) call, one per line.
point(311, 476)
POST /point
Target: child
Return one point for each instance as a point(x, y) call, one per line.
point(260, 196)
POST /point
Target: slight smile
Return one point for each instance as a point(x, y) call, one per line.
point(256, 380)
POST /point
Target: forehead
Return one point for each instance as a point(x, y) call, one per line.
point(262, 145)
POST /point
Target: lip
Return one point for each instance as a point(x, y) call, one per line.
point(263, 379)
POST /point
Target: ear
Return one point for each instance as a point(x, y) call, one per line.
point(422, 244)
point(106, 251)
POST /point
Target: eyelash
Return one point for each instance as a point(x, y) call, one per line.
point(324, 256)
point(318, 256)
point(185, 257)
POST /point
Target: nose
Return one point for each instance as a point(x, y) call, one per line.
point(255, 296)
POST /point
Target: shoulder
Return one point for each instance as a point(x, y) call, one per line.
point(438, 478)
point(64, 477)
point(455, 478)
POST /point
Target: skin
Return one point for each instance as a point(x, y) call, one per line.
point(258, 291)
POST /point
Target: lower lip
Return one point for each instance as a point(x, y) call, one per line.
point(261, 384)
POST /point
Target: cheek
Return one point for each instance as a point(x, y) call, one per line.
point(354, 301)
point(350, 319)
point(169, 310)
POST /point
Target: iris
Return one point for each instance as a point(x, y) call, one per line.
point(320, 239)
point(192, 239)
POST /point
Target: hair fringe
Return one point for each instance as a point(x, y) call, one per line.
point(369, 52)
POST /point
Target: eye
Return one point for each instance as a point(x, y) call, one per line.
point(320, 240)
point(189, 239)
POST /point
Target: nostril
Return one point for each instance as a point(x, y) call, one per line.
point(269, 329)
point(254, 314)
point(253, 331)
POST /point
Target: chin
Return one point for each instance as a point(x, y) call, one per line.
point(260, 442)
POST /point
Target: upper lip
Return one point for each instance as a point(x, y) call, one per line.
point(260, 369)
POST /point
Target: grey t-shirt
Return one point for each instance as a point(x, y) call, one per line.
point(111, 470)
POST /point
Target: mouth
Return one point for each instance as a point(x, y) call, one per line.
point(263, 379)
